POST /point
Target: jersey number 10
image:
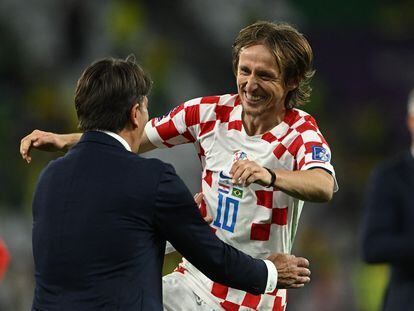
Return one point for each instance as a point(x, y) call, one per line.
point(226, 213)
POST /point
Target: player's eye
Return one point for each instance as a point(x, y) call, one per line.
point(244, 70)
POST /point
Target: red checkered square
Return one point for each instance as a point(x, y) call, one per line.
point(208, 178)
point(251, 301)
point(210, 100)
point(264, 198)
point(295, 145)
point(229, 306)
point(260, 232)
point(167, 130)
point(279, 151)
point(280, 216)
point(305, 126)
point(219, 290)
point(237, 101)
point(207, 127)
point(311, 119)
point(269, 137)
point(223, 113)
point(192, 115)
point(278, 304)
point(291, 117)
point(235, 125)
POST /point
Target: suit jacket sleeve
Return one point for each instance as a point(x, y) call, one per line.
point(179, 220)
point(383, 237)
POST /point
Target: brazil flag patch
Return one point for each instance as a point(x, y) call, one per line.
point(238, 193)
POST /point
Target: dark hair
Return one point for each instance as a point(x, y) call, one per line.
point(106, 92)
point(292, 51)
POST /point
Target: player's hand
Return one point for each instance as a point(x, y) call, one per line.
point(41, 140)
point(246, 172)
point(198, 198)
point(293, 272)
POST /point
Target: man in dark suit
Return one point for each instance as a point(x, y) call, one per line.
point(102, 214)
point(388, 230)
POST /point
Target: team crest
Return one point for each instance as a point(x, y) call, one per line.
point(320, 154)
point(239, 155)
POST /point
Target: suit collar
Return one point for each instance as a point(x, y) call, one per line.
point(118, 138)
point(102, 138)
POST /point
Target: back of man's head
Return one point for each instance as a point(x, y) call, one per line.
point(106, 92)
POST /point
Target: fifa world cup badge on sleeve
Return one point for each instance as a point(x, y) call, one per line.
point(320, 154)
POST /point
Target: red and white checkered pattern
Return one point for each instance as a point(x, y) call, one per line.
point(267, 219)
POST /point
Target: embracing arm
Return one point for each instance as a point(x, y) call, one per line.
point(48, 141)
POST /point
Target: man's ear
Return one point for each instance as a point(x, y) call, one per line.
point(134, 115)
point(292, 84)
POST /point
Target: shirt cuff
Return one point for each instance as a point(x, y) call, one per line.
point(271, 276)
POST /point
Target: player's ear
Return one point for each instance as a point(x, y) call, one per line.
point(292, 84)
point(134, 115)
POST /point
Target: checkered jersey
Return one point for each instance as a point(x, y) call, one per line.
point(257, 220)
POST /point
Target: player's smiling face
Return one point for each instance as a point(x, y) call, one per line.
point(259, 82)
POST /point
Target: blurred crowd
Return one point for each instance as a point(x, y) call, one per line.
point(365, 69)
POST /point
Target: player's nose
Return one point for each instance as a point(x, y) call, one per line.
point(251, 84)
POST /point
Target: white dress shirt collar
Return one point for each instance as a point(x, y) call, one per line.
point(118, 138)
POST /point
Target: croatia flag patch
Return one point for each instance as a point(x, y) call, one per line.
point(320, 154)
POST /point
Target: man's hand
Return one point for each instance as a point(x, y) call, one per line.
point(292, 271)
point(46, 141)
point(246, 172)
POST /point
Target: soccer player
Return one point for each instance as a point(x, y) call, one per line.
point(262, 157)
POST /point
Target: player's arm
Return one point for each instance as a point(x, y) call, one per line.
point(48, 141)
point(314, 185)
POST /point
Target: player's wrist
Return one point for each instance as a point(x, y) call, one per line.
point(272, 178)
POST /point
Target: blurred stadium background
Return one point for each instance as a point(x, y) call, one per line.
point(364, 56)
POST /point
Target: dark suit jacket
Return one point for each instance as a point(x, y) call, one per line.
point(388, 228)
point(102, 216)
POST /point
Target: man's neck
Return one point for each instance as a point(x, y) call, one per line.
point(257, 125)
point(131, 138)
